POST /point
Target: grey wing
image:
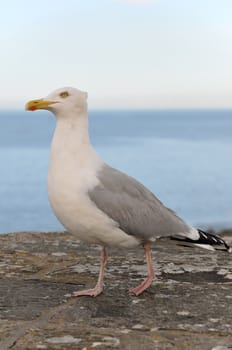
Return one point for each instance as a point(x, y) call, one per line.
point(133, 207)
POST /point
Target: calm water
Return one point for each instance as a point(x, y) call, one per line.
point(182, 156)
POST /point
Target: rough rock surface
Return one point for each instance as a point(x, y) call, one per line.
point(189, 306)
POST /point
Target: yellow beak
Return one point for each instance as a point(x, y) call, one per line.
point(38, 104)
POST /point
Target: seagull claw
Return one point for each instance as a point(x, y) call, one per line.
point(93, 292)
point(141, 287)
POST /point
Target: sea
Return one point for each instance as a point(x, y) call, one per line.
point(183, 156)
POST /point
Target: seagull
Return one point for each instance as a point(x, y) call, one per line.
point(100, 204)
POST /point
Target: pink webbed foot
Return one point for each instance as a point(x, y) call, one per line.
point(99, 286)
point(151, 273)
point(142, 287)
point(89, 292)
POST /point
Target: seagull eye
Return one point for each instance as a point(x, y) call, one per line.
point(64, 94)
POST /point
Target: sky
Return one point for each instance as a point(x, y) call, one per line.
point(124, 53)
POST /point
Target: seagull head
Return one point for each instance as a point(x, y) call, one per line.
point(60, 100)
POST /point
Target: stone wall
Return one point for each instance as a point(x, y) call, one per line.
point(189, 305)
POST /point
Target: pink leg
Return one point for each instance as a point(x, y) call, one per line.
point(151, 273)
point(99, 286)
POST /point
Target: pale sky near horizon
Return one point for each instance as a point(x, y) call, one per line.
point(125, 53)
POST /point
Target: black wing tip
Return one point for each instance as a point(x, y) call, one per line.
point(212, 239)
point(206, 240)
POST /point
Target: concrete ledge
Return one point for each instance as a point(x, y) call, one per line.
point(189, 306)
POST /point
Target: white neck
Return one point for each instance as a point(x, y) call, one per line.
point(72, 129)
point(71, 140)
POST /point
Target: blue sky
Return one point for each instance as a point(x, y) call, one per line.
point(125, 53)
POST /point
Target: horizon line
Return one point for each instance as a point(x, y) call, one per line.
point(137, 109)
